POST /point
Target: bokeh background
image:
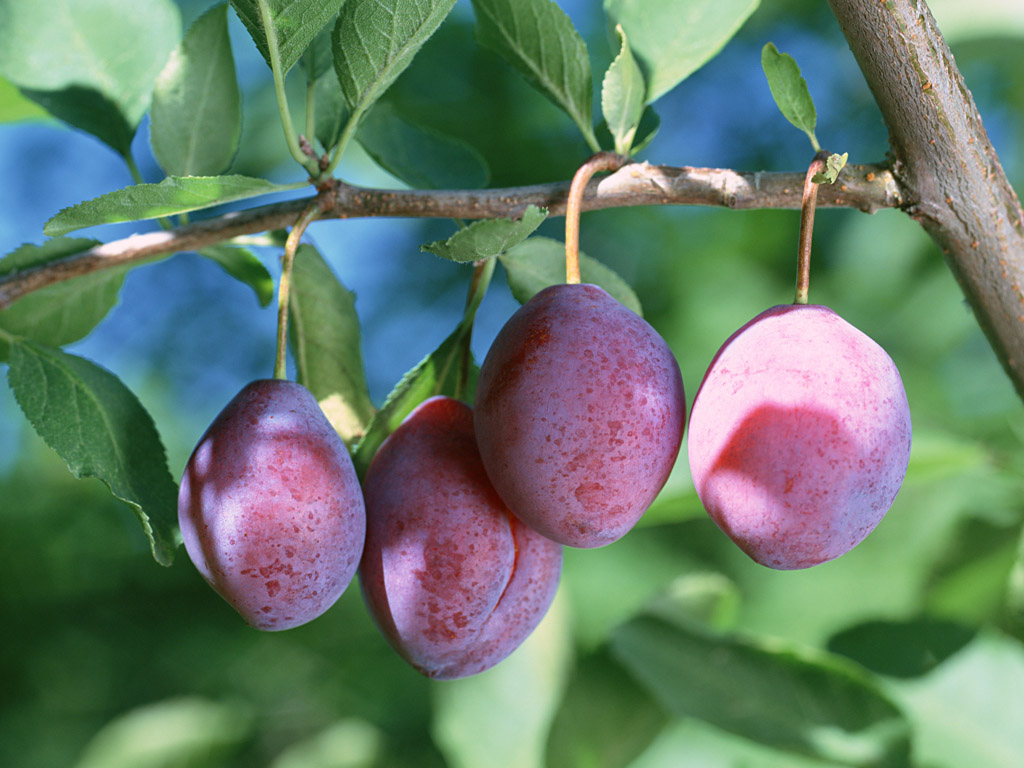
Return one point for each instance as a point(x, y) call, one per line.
point(107, 659)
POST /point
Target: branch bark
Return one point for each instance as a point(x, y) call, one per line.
point(945, 165)
point(866, 187)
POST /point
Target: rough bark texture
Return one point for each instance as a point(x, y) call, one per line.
point(949, 175)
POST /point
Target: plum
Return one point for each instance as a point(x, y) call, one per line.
point(270, 508)
point(579, 415)
point(799, 436)
point(453, 580)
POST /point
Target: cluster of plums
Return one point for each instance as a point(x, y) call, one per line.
point(799, 439)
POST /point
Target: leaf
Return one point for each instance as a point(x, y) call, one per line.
point(171, 196)
point(99, 428)
point(420, 157)
point(196, 117)
point(806, 702)
point(375, 40)
point(349, 743)
point(622, 96)
point(293, 25)
point(242, 265)
point(536, 263)
point(318, 58)
point(644, 135)
point(541, 43)
point(14, 106)
point(64, 312)
point(789, 90)
point(908, 648)
point(331, 111)
point(325, 341)
point(487, 238)
point(672, 39)
point(833, 165)
point(438, 373)
point(62, 55)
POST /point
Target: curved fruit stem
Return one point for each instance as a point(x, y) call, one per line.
point(284, 287)
point(602, 161)
point(810, 200)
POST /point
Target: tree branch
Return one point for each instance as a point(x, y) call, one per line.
point(866, 187)
point(948, 172)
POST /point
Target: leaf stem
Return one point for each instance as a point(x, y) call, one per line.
point(311, 111)
point(284, 287)
point(810, 201)
point(602, 161)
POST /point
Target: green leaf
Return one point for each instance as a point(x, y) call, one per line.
point(673, 39)
point(622, 96)
point(14, 106)
point(318, 58)
point(325, 341)
point(789, 90)
point(644, 135)
point(331, 111)
point(487, 238)
point(242, 265)
point(349, 743)
point(810, 703)
point(171, 196)
point(833, 165)
point(196, 117)
point(375, 40)
point(606, 719)
point(294, 24)
point(439, 373)
point(95, 423)
point(420, 157)
point(536, 263)
point(91, 64)
point(908, 648)
point(64, 312)
point(541, 43)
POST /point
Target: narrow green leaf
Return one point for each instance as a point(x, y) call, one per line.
point(541, 43)
point(62, 55)
point(789, 90)
point(833, 165)
point(672, 40)
point(622, 96)
point(908, 648)
point(95, 423)
point(196, 117)
point(439, 373)
point(806, 702)
point(420, 157)
point(487, 238)
point(644, 135)
point(242, 265)
point(325, 341)
point(171, 196)
point(536, 263)
point(375, 40)
point(14, 106)
point(295, 23)
point(64, 312)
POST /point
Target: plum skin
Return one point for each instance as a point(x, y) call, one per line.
point(579, 415)
point(799, 436)
point(453, 580)
point(270, 509)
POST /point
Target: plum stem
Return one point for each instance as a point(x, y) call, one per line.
point(284, 287)
point(602, 161)
point(810, 201)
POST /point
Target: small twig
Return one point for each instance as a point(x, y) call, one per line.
point(602, 161)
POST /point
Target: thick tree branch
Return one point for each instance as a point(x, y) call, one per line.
point(866, 187)
point(947, 170)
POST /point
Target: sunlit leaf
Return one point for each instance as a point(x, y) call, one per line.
point(789, 89)
point(293, 25)
point(622, 96)
point(487, 238)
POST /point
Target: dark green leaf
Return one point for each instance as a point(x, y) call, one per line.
point(541, 43)
point(789, 90)
point(60, 54)
point(420, 157)
point(319, 56)
point(606, 719)
point(375, 40)
point(487, 238)
point(293, 25)
point(908, 648)
point(672, 39)
point(536, 263)
point(100, 429)
point(171, 196)
point(242, 265)
point(833, 165)
point(325, 341)
point(622, 96)
point(60, 313)
point(196, 117)
point(645, 132)
point(442, 372)
point(331, 109)
point(806, 702)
